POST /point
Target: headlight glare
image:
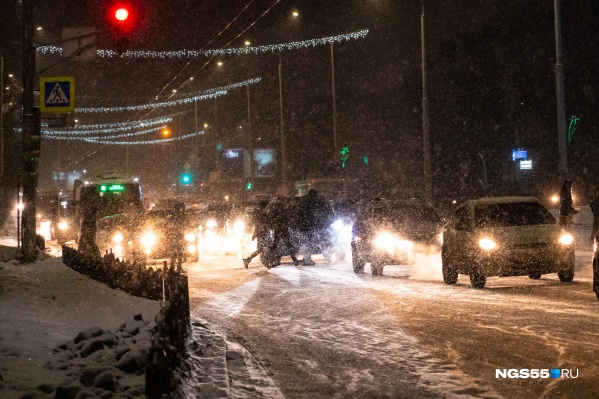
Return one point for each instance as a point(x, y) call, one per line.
point(337, 224)
point(239, 225)
point(148, 240)
point(63, 225)
point(487, 244)
point(117, 238)
point(566, 239)
point(211, 223)
point(191, 237)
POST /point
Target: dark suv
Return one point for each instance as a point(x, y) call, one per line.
point(387, 232)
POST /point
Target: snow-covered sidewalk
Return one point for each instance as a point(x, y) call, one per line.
point(61, 330)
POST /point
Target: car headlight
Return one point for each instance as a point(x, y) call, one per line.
point(337, 224)
point(192, 249)
point(487, 244)
point(239, 225)
point(117, 238)
point(63, 225)
point(566, 239)
point(148, 240)
point(191, 237)
point(390, 243)
point(211, 223)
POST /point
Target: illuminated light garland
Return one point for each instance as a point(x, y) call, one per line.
point(107, 142)
point(236, 51)
point(49, 134)
point(146, 122)
point(49, 49)
point(197, 96)
point(222, 52)
point(84, 132)
point(151, 105)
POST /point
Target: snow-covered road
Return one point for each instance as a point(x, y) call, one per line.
point(323, 331)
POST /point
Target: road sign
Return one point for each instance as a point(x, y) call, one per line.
point(57, 94)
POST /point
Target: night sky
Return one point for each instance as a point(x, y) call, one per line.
point(491, 83)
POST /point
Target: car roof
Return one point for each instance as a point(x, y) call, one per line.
point(498, 200)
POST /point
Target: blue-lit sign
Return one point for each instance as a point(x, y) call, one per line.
point(518, 154)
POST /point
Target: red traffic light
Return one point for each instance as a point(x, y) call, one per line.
point(121, 14)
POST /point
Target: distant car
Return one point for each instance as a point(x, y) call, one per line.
point(149, 236)
point(386, 232)
point(596, 266)
point(158, 235)
point(505, 236)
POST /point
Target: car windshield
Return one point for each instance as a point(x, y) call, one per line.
point(511, 214)
point(403, 214)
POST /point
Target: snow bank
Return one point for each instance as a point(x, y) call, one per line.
point(64, 335)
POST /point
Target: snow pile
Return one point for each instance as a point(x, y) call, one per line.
point(63, 335)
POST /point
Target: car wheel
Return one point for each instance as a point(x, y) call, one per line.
point(534, 275)
point(377, 268)
point(477, 278)
point(357, 261)
point(450, 274)
point(566, 276)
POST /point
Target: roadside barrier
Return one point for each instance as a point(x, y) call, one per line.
point(168, 341)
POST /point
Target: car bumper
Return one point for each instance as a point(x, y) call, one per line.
point(521, 262)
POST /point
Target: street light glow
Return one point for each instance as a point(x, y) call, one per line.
point(295, 14)
point(247, 43)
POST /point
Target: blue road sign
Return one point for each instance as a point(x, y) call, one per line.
point(57, 94)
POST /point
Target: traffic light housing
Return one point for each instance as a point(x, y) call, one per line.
point(123, 18)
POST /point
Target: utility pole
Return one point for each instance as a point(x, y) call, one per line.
point(562, 139)
point(426, 155)
point(250, 138)
point(283, 139)
point(335, 138)
point(28, 121)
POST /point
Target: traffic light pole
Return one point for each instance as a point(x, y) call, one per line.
point(28, 121)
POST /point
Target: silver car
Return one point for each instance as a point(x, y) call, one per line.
point(505, 236)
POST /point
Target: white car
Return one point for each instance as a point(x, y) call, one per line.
point(505, 236)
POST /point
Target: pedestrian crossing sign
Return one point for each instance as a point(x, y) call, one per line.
point(57, 94)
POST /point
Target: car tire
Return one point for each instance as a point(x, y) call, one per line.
point(376, 268)
point(567, 275)
point(477, 278)
point(534, 275)
point(450, 273)
point(357, 262)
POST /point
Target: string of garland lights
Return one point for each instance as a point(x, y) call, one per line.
point(102, 141)
point(199, 96)
point(223, 52)
point(87, 132)
point(50, 134)
point(141, 107)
